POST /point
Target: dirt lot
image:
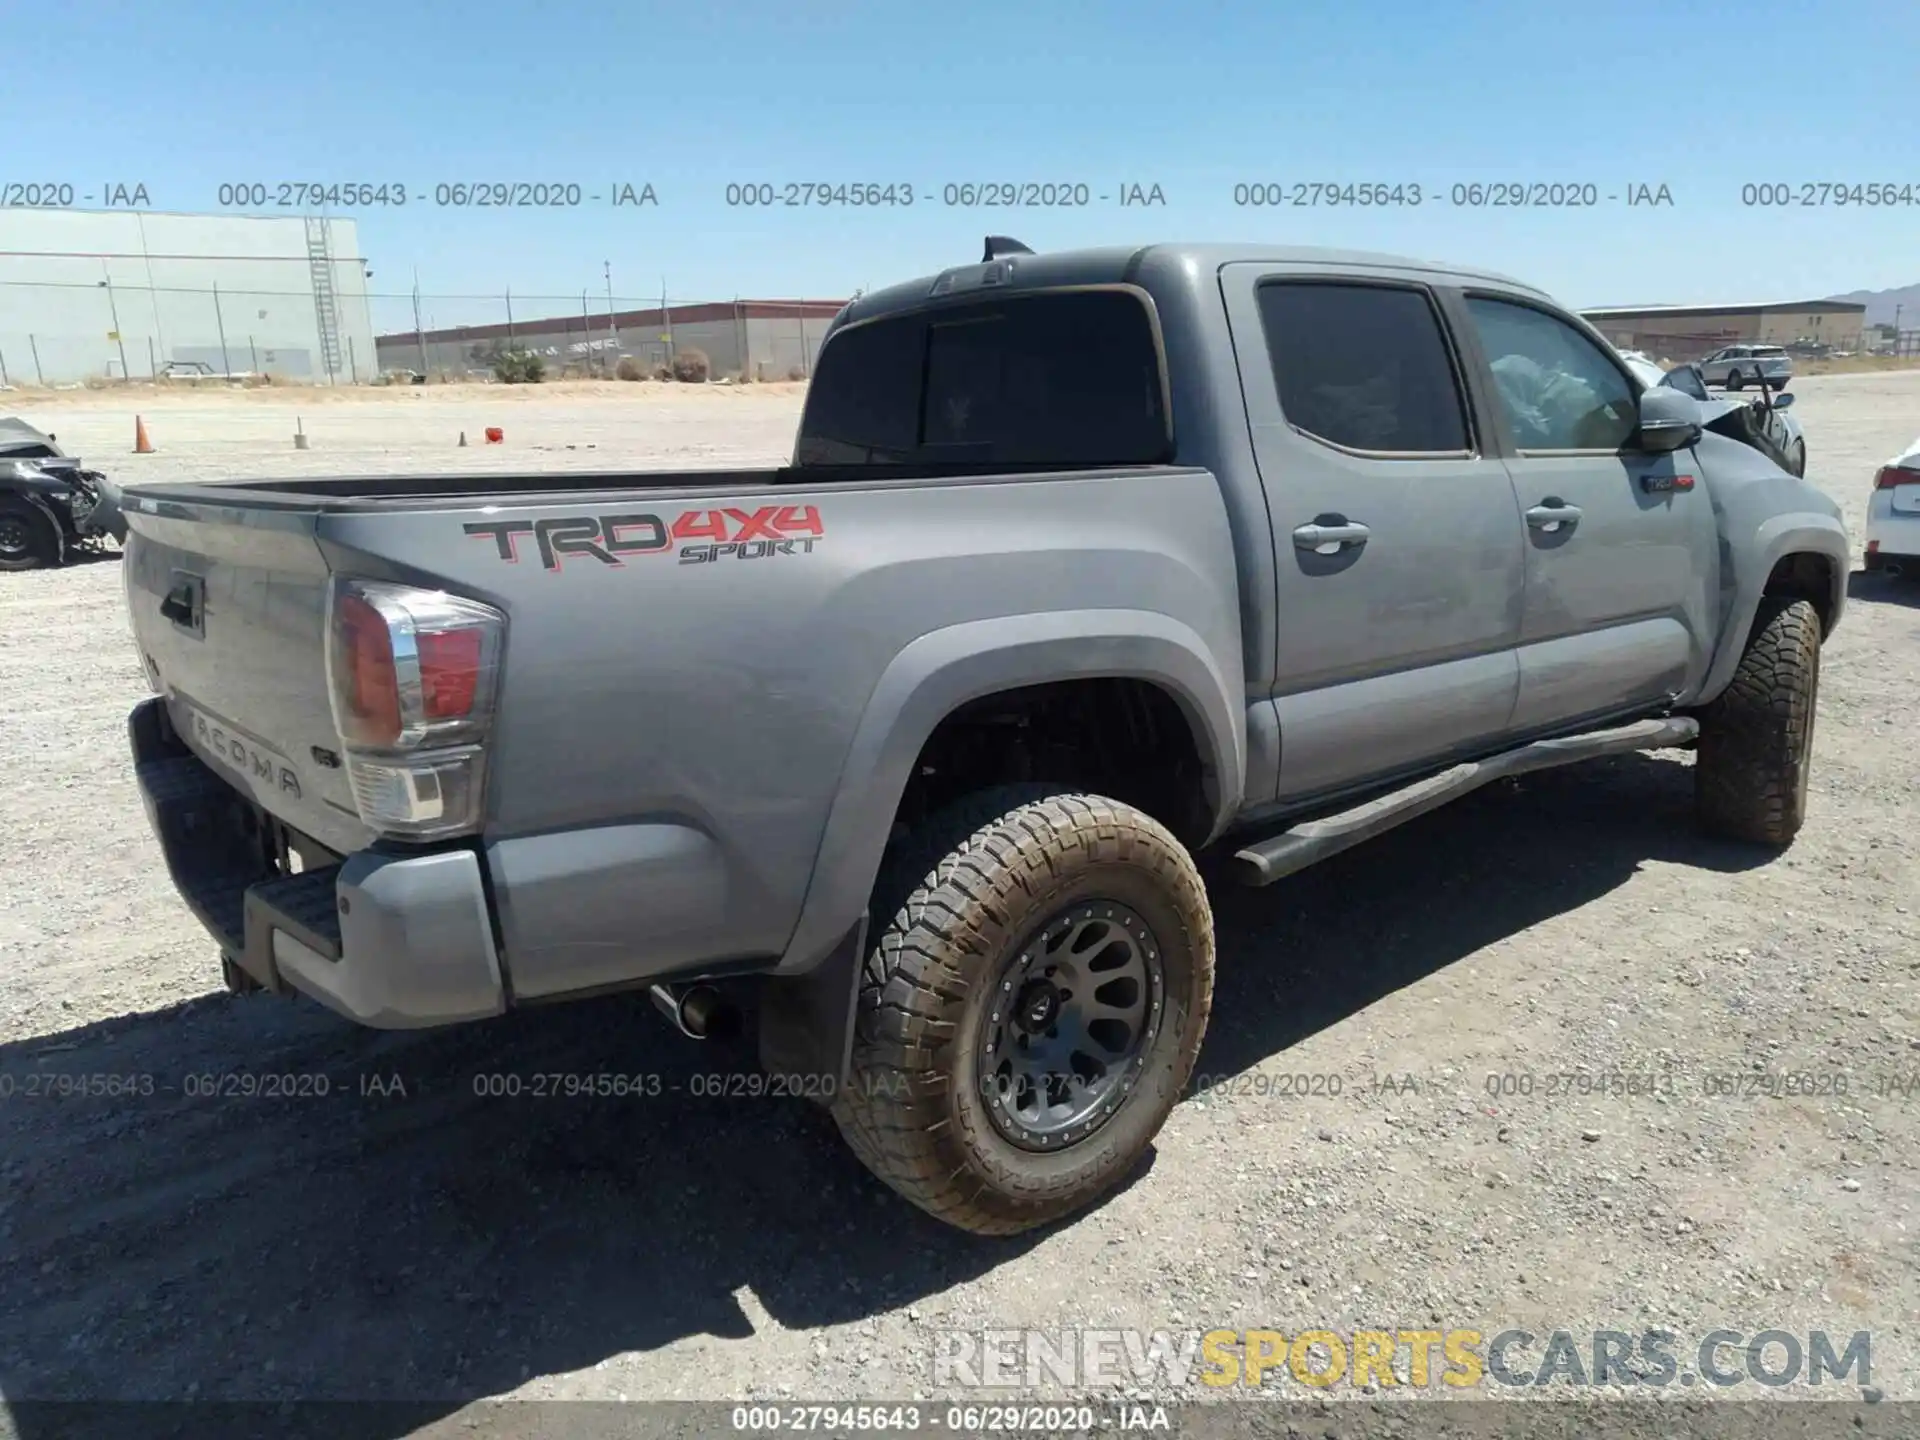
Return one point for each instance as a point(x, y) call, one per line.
point(401, 1237)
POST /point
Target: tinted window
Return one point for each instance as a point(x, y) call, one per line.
point(864, 402)
point(1559, 391)
point(1363, 366)
point(1055, 379)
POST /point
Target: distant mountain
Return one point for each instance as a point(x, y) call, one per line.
point(1882, 303)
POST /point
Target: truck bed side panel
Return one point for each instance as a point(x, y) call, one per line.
point(675, 720)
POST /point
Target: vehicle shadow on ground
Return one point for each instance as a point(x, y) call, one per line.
point(447, 1243)
point(74, 559)
point(1878, 587)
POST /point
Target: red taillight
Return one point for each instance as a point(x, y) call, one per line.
point(412, 678)
point(1891, 476)
point(449, 673)
point(369, 689)
point(411, 668)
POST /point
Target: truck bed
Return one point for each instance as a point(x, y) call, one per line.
point(688, 658)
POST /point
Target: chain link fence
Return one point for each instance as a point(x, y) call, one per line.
point(91, 332)
point(609, 336)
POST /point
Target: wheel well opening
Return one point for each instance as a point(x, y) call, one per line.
point(1808, 577)
point(1125, 738)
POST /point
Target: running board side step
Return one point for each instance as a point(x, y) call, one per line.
point(1315, 840)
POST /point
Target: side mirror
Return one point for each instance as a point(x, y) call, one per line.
point(1669, 420)
point(1783, 400)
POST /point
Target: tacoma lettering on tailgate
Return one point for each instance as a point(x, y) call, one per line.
point(610, 539)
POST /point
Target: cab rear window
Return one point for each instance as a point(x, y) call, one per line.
point(1068, 378)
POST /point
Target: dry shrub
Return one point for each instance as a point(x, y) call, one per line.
point(661, 372)
point(691, 367)
point(630, 369)
point(796, 372)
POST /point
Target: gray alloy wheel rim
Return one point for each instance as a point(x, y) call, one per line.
point(1072, 1018)
point(15, 538)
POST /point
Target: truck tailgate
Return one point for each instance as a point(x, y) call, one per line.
point(228, 607)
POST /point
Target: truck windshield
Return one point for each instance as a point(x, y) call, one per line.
point(1061, 378)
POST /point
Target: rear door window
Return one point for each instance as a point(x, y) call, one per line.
point(1065, 378)
point(1364, 367)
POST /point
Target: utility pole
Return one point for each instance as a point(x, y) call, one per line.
point(667, 316)
point(114, 310)
point(220, 322)
point(613, 331)
point(419, 334)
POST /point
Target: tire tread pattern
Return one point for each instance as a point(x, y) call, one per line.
point(948, 901)
point(1754, 734)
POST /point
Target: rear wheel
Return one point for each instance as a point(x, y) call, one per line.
point(1800, 458)
point(1756, 737)
point(1734, 382)
point(1031, 1009)
point(27, 539)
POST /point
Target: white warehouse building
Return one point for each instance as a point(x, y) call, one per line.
point(110, 293)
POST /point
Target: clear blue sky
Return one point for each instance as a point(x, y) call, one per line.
point(1193, 97)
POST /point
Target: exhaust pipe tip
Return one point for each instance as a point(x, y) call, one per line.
point(699, 1012)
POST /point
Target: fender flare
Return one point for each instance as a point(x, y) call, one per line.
point(945, 669)
point(1778, 536)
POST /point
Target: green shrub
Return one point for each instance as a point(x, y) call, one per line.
point(519, 367)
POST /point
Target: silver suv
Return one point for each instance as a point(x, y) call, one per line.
point(1735, 365)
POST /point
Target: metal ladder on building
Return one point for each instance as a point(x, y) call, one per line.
point(326, 308)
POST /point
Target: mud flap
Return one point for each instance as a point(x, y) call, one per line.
point(806, 1021)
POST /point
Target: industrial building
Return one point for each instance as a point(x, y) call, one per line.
point(110, 293)
point(1681, 333)
point(765, 339)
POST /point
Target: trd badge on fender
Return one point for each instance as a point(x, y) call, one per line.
point(740, 534)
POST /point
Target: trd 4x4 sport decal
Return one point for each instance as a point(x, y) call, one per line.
point(610, 539)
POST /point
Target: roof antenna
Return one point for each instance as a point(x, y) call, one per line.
point(998, 245)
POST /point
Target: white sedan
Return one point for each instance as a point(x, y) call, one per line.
point(1893, 515)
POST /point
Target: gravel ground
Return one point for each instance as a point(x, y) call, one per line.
point(402, 1238)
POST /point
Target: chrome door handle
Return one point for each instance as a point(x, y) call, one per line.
point(1551, 513)
point(1327, 539)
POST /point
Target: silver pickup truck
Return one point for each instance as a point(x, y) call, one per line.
point(1084, 563)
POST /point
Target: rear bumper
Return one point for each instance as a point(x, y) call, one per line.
point(1892, 534)
point(391, 941)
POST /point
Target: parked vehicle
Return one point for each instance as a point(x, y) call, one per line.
point(1762, 422)
point(1893, 515)
point(51, 508)
point(1084, 562)
point(199, 370)
point(1737, 366)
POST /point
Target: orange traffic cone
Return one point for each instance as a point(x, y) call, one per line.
point(141, 444)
